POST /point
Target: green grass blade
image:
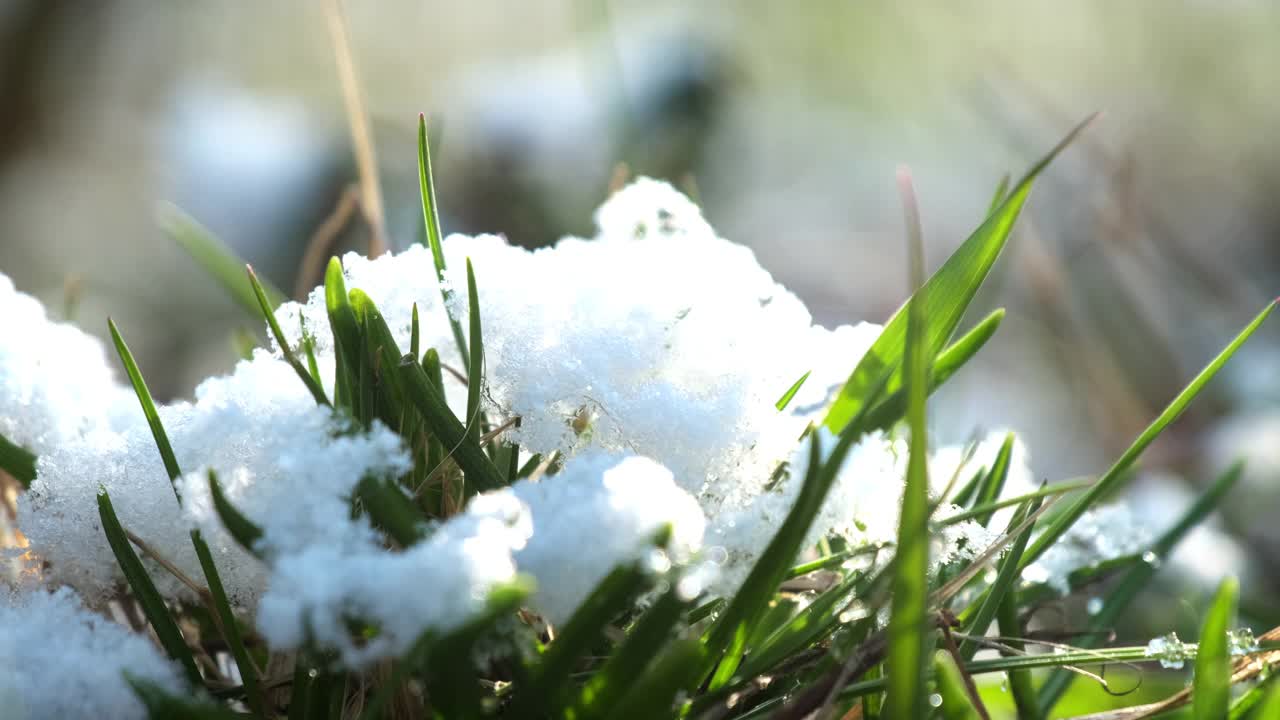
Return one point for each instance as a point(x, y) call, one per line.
point(17, 461)
point(1138, 577)
point(549, 679)
point(475, 361)
point(1002, 190)
point(949, 293)
point(599, 696)
point(231, 631)
point(240, 527)
point(148, 405)
point(1004, 584)
point(785, 400)
point(264, 305)
point(415, 334)
point(1211, 692)
point(948, 362)
point(145, 591)
point(1021, 686)
point(229, 626)
point(346, 335)
point(431, 219)
point(379, 354)
point(955, 699)
point(993, 483)
point(1269, 706)
point(654, 694)
point(391, 510)
point(481, 474)
point(216, 259)
point(905, 661)
point(1113, 478)
point(161, 705)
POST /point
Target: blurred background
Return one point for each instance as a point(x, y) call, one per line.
point(1143, 251)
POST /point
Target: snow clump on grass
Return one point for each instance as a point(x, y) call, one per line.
point(58, 660)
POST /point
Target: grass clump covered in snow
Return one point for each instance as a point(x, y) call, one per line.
point(621, 476)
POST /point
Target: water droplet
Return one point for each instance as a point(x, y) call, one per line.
point(1094, 606)
point(1004, 684)
point(313, 673)
point(1241, 641)
point(935, 700)
point(1151, 559)
point(718, 555)
point(1170, 651)
point(991, 576)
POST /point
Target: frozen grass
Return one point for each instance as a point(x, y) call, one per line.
point(622, 476)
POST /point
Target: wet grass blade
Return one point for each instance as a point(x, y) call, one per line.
point(1138, 577)
point(955, 699)
point(1115, 476)
point(431, 220)
point(415, 334)
point(785, 400)
point(1211, 692)
point(19, 462)
point(304, 374)
point(145, 591)
point(905, 660)
point(216, 259)
point(148, 405)
point(481, 474)
point(240, 527)
point(949, 293)
point(475, 361)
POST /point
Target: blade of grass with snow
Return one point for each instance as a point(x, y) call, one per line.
point(905, 662)
point(222, 607)
point(787, 396)
point(949, 293)
point(1006, 575)
point(549, 680)
point(304, 374)
point(1211, 692)
point(475, 360)
point(238, 526)
point(481, 474)
point(17, 461)
point(949, 361)
point(1115, 476)
point(599, 696)
point(1137, 578)
point(145, 591)
point(218, 260)
point(346, 335)
point(431, 219)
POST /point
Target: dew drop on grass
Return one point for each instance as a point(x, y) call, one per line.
point(1151, 559)
point(1094, 606)
point(1004, 684)
point(313, 673)
point(935, 700)
point(1241, 641)
point(1170, 651)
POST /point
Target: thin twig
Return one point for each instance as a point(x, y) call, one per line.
point(969, 686)
point(320, 246)
point(203, 592)
point(358, 117)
